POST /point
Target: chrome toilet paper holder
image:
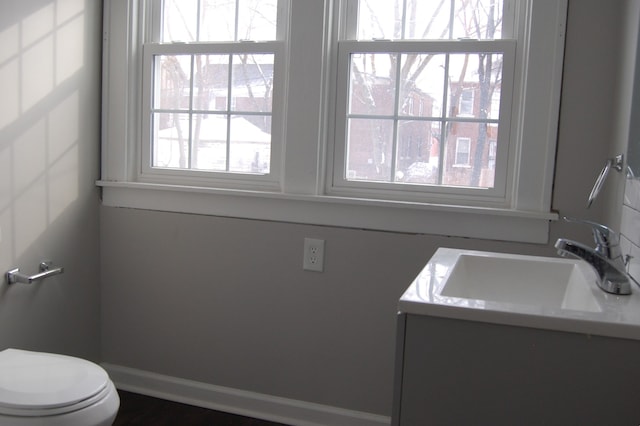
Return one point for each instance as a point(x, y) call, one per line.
point(46, 269)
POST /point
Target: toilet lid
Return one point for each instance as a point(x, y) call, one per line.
point(36, 380)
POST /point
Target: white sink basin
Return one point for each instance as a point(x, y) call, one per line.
point(543, 292)
point(528, 280)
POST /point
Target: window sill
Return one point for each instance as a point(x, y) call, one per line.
point(415, 218)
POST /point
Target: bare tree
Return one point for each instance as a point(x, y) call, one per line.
point(486, 70)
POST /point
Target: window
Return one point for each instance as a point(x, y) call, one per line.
point(210, 77)
point(463, 152)
point(455, 62)
point(262, 110)
point(466, 101)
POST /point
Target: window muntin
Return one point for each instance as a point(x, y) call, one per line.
point(388, 144)
point(209, 107)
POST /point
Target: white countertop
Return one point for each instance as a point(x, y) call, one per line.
point(619, 316)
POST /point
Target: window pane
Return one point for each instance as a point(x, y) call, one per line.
point(250, 147)
point(211, 85)
point(474, 81)
point(209, 138)
point(219, 20)
point(172, 82)
point(180, 21)
point(257, 19)
point(370, 19)
point(370, 147)
point(429, 19)
point(372, 89)
point(252, 89)
point(417, 159)
point(171, 140)
point(481, 19)
point(422, 85)
point(468, 155)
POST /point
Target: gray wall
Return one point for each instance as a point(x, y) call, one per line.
point(49, 145)
point(225, 301)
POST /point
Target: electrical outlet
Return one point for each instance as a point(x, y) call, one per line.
point(313, 255)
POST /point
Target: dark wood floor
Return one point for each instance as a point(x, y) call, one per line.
point(143, 410)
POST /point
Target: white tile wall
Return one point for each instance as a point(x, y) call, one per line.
point(630, 225)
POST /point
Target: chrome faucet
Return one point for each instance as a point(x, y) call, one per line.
point(606, 258)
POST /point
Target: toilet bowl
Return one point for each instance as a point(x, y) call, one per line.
point(38, 389)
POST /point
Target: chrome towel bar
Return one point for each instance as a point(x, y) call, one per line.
point(616, 163)
point(46, 270)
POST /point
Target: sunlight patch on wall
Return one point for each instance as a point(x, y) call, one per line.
point(69, 49)
point(38, 25)
point(10, 105)
point(64, 126)
point(63, 183)
point(29, 156)
point(6, 181)
point(40, 53)
point(41, 56)
point(9, 75)
point(37, 73)
point(68, 9)
point(9, 40)
point(42, 178)
point(5, 199)
point(29, 216)
point(63, 155)
point(7, 230)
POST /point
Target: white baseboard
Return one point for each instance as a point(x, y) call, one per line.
point(245, 403)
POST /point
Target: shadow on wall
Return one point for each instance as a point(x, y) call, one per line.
point(42, 51)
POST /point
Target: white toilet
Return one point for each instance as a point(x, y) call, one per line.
point(41, 389)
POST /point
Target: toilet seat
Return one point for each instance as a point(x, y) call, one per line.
point(36, 384)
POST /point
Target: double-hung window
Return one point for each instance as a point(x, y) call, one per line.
point(213, 74)
point(454, 58)
point(422, 116)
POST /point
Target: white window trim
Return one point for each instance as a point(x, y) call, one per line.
point(301, 197)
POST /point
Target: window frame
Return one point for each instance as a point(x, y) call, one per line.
point(302, 196)
point(151, 45)
point(339, 185)
point(150, 174)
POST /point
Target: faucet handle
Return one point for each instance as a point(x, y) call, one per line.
point(607, 240)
